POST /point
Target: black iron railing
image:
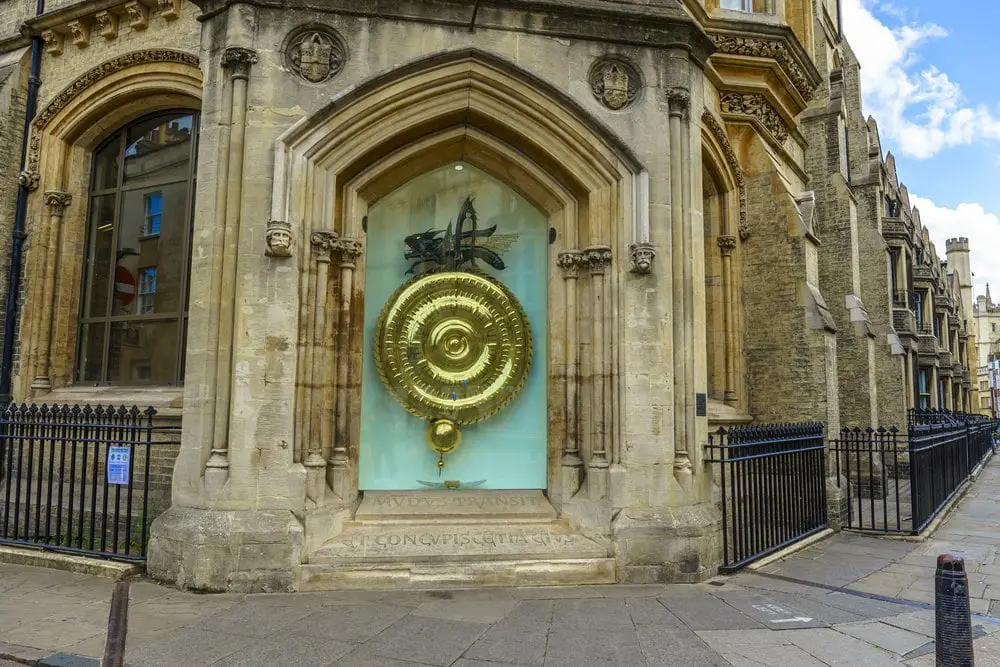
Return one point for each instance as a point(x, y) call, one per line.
point(897, 482)
point(773, 489)
point(78, 479)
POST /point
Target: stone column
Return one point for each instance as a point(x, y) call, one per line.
point(935, 392)
point(323, 245)
point(56, 202)
point(570, 262)
point(237, 61)
point(909, 380)
point(598, 259)
point(338, 470)
point(679, 101)
point(727, 244)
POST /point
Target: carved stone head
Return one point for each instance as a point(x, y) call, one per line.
point(643, 255)
point(279, 239)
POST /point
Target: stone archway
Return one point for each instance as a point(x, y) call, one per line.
point(470, 107)
point(63, 135)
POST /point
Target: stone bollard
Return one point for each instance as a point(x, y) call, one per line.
point(114, 646)
point(953, 620)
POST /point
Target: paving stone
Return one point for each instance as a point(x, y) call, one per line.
point(349, 623)
point(189, 647)
point(867, 607)
point(26, 654)
point(254, 620)
point(363, 656)
point(54, 635)
point(468, 662)
point(888, 637)
point(811, 606)
point(768, 611)
point(520, 637)
point(650, 611)
point(69, 660)
point(776, 656)
point(836, 648)
point(670, 648)
point(593, 631)
point(707, 613)
point(920, 622)
point(287, 651)
point(488, 609)
point(428, 640)
point(723, 640)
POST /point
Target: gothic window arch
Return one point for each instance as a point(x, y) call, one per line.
point(136, 265)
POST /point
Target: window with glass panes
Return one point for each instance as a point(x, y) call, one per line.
point(133, 315)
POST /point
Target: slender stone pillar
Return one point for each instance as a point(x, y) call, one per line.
point(570, 262)
point(935, 391)
point(56, 202)
point(237, 61)
point(323, 245)
point(598, 259)
point(338, 468)
point(679, 101)
point(727, 244)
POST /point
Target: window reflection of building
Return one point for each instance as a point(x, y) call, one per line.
point(138, 257)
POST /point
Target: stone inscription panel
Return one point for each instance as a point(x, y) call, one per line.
point(429, 503)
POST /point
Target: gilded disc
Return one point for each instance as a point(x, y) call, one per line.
point(453, 344)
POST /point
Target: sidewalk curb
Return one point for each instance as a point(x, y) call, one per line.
point(68, 563)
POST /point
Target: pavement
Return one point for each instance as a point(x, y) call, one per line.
point(848, 600)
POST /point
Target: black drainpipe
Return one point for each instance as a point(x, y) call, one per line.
point(20, 214)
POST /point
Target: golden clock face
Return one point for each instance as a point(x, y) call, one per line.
point(453, 345)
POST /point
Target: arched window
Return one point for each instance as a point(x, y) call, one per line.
point(133, 313)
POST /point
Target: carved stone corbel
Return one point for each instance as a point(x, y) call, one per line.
point(643, 255)
point(53, 42)
point(138, 15)
point(106, 25)
point(278, 238)
point(679, 100)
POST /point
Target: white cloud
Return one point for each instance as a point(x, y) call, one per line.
point(973, 222)
point(917, 105)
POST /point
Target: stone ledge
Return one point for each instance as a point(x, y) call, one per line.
point(68, 562)
point(458, 574)
point(454, 505)
point(427, 542)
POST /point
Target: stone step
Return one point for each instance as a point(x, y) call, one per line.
point(457, 574)
point(425, 542)
point(454, 505)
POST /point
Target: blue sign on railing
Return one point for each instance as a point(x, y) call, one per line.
point(118, 465)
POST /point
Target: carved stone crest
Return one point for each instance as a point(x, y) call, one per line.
point(278, 237)
point(315, 53)
point(616, 83)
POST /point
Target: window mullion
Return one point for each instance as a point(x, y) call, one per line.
point(114, 256)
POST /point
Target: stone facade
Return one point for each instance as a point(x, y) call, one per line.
point(719, 252)
point(987, 320)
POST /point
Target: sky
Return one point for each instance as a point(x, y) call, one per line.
point(930, 74)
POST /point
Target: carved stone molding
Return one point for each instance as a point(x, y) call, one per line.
point(138, 15)
point(727, 244)
point(106, 25)
point(598, 259)
point(570, 262)
point(278, 239)
point(57, 201)
point(324, 244)
point(53, 42)
point(168, 9)
point(350, 250)
point(239, 59)
point(768, 48)
point(89, 78)
point(615, 82)
point(756, 106)
point(679, 100)
point(29, 180)
point(643, 255)
point(734, 165)
point(315, 53)
point(79, 32)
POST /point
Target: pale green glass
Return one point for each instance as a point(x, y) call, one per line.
point(507, 451)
